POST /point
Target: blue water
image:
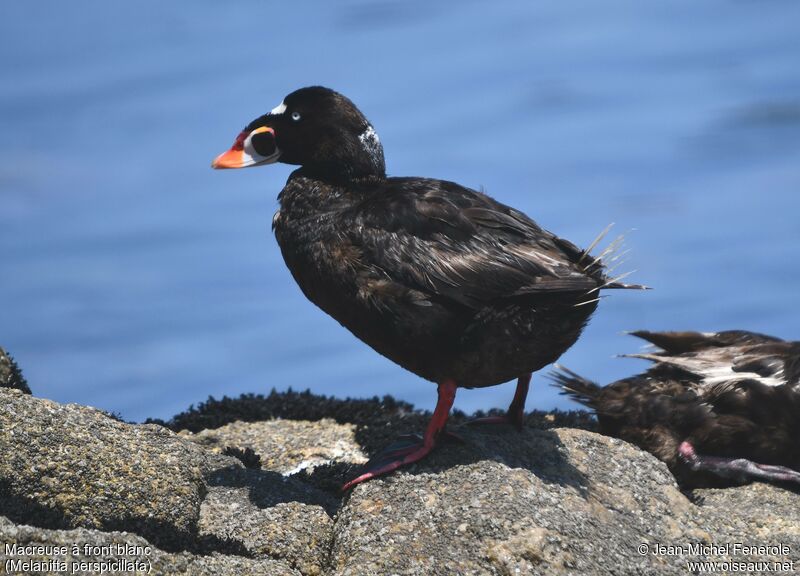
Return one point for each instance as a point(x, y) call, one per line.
point(136, 279)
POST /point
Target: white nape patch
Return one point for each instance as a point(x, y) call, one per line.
point(369, 135)
point(370, 141)
point(279, 109)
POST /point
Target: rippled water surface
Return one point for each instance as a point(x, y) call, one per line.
point(136, 279)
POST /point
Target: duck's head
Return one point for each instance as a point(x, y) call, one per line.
point(313, 127)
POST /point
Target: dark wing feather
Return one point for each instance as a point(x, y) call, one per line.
point(444, 239)
point(682, 342)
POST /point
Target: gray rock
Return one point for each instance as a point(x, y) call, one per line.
point(287, 446)
point(757, 515)
point(123, 553)
point(508, 503)
point(69, 466)
point(546, 502)
point(559, 501)
point(267, 514)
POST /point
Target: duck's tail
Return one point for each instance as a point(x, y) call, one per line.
point(576, 387)
point(607, 261)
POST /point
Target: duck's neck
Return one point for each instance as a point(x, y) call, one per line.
point(307, 193)
point(353, 159)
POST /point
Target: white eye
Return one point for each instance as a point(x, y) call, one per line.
point(295, 116)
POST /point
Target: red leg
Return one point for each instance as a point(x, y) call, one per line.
point(736, 468)
point(411, 448)
point(516, 410)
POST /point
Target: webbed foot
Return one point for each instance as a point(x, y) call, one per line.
point(515, 415)
point(736, 468)
point(411, 447)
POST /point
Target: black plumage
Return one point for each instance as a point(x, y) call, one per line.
point(718, 408)
point(443, 280)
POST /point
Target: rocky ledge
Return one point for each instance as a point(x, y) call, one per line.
point(250, 486)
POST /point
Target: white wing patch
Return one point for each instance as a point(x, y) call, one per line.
point(718, 374)
point(712, 369)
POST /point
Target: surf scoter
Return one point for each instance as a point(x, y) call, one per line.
point(718, 408)
point(443, 280)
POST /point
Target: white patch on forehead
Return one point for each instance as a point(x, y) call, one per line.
point(279, 109)
point(370, 141)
